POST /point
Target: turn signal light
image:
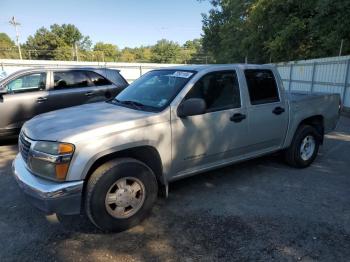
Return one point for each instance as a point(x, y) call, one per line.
point(65, 148)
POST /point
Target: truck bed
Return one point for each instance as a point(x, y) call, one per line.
point(304, 104)
point(300, 96)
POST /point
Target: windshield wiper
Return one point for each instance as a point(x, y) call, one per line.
point(134, 104)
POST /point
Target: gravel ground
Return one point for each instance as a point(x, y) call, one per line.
point(259, 210)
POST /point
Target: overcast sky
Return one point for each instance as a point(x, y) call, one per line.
point(121, 22)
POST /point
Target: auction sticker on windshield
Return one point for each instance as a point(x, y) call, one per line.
point(182, 74)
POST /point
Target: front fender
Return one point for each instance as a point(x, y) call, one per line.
point(112, 150)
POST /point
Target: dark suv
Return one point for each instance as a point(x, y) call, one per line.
point(30, 92)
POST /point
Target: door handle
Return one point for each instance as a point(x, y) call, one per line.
point(89, 93)
point(278, 110)
point(238, 117)
point(41, 99)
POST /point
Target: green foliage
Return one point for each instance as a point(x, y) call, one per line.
point(106, 52)
point(192, 52)
point(8, 48)
point(58, 43)
point(127, 55)
point(166, 51)
point(66, 42)
point(275, 30)
point(141, 54)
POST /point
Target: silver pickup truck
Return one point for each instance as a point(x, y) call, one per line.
point(111, 159)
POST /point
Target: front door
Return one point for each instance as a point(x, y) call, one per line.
point(26, 97)
point(212, 138)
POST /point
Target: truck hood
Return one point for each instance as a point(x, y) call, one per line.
point(97, 118)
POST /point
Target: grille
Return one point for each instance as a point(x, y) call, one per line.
point(24, 146)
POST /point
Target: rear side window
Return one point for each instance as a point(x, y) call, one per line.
point(27, 83)
point(115, 76)
point(262, 86)
point(70, 79)
point(97, 79)
point(220, 90)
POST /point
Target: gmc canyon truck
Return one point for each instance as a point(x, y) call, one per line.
point(111, 159)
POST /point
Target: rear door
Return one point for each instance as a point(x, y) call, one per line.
point(101, 88)
point(69, 88)
point(267, 115)
point(26, 97)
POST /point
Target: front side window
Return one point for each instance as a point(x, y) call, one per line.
point(262, 86)
point(155, 90)
point(97, 79)
point(220, 90)
point(70, 79)
point(27, 83)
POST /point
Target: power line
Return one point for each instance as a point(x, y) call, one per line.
point(16, 24)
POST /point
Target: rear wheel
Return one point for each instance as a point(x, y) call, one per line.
point(120, 194)
point(304, 147)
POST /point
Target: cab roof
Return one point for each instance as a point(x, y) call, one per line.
point(199, 68)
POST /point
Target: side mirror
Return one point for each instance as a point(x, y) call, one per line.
point(191, 107)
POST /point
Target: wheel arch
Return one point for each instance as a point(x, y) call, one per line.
point(316, 121)
point(146, 154)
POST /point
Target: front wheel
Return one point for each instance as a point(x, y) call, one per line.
point(304, 147)
point(120, 194)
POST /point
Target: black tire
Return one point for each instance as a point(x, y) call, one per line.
point(99, 184)
point(292, 154)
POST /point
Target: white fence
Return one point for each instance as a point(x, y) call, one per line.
point(325, 75)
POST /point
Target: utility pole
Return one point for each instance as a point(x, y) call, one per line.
point(16, 24)
point(341, 47)
point(76, 51)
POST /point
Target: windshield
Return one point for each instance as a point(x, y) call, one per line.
point(155, 90)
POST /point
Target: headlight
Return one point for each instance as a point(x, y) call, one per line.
point(51, 159)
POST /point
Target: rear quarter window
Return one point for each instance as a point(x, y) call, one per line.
point(97, 79)
point(262, 86)
point(116, 77)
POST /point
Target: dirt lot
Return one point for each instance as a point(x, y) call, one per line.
point(257, 210)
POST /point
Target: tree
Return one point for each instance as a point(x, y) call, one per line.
point(331, 25)
point(142, 54)
point(59, 43)
point(279, 30)
point(71, 35)
point(108, 51)
point(46, 45)
point(224, 30)
point(192, 52)
point(166, 51)
point(7, 47)
point(127, 55)
point(146, 54)
point(275, 30)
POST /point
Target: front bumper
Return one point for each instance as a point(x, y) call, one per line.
point(49, 196)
